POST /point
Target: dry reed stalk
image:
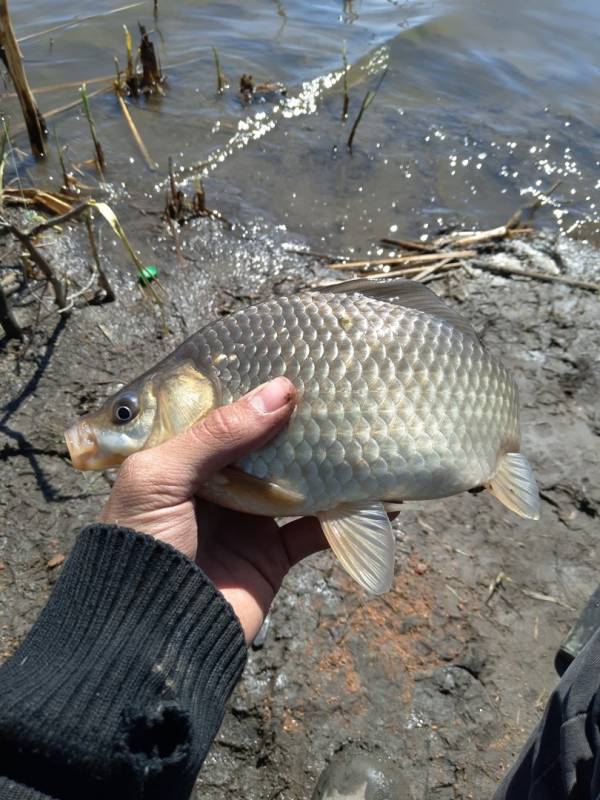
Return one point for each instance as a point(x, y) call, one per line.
point(152, 165)
point(9, 49)
point(426, 258)
point(76, 21)
point(220, 76)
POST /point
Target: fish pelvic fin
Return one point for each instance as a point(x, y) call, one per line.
point(361, 536)
point(235, 489)
point(515, 486)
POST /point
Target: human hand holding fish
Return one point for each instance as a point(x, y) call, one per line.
point(246, 557)
point(398, 400)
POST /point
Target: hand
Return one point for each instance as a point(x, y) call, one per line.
point(246, 557)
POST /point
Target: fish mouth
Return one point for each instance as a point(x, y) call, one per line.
point(83, 446)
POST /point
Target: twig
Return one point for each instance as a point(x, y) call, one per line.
point(546, 598)
point(60, 220)
point(425, 273)
point(38, 259)
point(500, 269)
point(67, 107)
point(152, 165)
point(416, 270)
point(409, 244)
point(55, 202)
point(426, 258)
point(531, 208)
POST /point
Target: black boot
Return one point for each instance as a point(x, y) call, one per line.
point(580, 634)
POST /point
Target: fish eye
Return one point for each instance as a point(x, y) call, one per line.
point(125, 409)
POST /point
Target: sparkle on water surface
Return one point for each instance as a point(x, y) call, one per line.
point(484, 107)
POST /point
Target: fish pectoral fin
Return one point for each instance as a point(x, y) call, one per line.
point(403, 292)
point(515, 486)
point(362, 538)
point(236, 489)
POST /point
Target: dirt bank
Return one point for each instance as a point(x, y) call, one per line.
point(443, 675)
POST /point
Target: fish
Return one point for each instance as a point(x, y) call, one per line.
point(398, 400)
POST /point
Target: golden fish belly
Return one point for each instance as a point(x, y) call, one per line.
point(394, 403)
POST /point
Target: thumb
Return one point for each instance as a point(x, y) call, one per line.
point(225, 435)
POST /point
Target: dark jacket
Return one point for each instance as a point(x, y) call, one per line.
point(121, 685)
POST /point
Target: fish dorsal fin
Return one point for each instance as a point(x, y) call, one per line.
point(514, 485)
point(403, 292)
point(361, 536)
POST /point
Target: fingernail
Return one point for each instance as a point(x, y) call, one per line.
point(271, 396)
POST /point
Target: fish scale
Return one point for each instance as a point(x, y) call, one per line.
point(394, 403)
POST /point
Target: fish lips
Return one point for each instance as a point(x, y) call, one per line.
point(82, 445)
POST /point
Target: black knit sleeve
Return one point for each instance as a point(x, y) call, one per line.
point(121, 685)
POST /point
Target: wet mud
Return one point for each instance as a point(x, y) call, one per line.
point(443, 677)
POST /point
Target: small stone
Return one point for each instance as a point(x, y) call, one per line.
point(56, 561)
point(421, 568)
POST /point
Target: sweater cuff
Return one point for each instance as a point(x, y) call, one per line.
point(122, 682)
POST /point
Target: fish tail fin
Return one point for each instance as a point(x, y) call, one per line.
point(515, 486)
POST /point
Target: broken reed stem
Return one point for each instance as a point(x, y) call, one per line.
point(61, 161)
point(77, 21)
point(220, 76)
point(100, 160)
point(11, 55)
point(500, 269)
point(136, 135)
point(151, 74)
point(68, 106)
point(408, 244)
point(155, 10)
point(346, 104)
point(426, 258)
point(367, 100)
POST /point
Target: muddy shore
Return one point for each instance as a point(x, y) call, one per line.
point(443, 675)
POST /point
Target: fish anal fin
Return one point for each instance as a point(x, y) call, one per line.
point(515, 486)
point(361, 536)
point(403, 292)
point(240, 491)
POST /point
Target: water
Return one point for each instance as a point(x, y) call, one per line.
point(484, 106)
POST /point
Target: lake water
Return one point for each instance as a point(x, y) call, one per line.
point(484, 105)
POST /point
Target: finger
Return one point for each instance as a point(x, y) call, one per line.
point(302, 538)
point(223, 436)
